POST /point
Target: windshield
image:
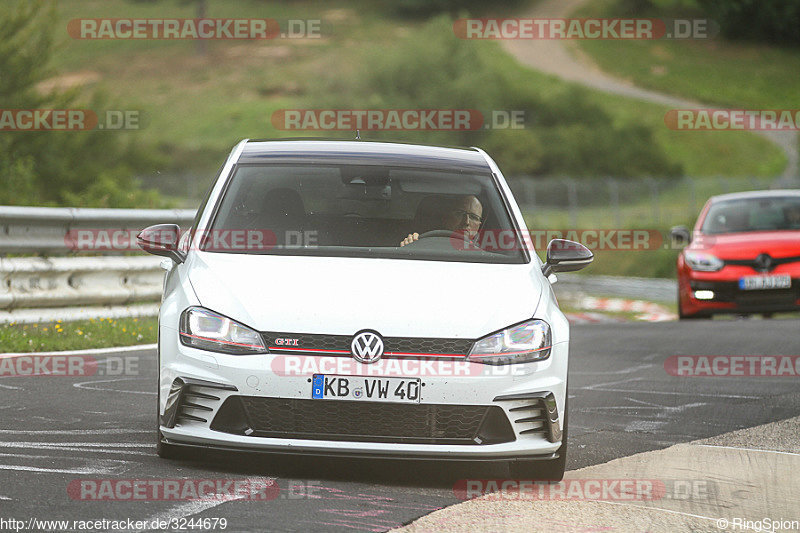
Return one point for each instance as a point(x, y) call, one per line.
point(753, 214)
point(363, 211)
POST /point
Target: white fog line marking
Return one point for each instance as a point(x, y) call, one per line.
point(57, 445)
point(628, 370)
point(658, 509)
point(98, 450)
point(91, 351)
point(86, 385)
point(747, 449)
point(618, 382)
point(86, 470)
point(673, 393)
point(109, 431)
point(187, 509)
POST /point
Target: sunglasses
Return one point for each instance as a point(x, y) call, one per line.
point(472, 217)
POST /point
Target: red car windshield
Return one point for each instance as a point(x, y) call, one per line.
point(753, 214)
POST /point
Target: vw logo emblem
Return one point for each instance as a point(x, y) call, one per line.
point(367, 346)
point(763, 263)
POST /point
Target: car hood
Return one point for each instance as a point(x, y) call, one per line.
point(341, 296)
point(750, 245)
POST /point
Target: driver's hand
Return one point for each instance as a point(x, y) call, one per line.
point(411, 238)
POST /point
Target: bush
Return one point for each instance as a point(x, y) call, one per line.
point(563, 132)
point(80, 168)
point(769, 21)
point(425, 8)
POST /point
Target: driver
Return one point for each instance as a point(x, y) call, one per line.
point(792, 215)
point(464, 213)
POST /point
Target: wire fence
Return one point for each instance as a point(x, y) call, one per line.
point(621, 203)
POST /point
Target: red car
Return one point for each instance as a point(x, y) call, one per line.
point(743, 256)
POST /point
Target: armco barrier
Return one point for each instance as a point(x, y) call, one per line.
point(69, 281)
point(49, 288)
point(45, 229)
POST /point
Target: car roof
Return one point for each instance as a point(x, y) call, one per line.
point(363, 152)
point(747, 195)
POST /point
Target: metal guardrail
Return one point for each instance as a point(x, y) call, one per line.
point(47, 229)
point(34, 289)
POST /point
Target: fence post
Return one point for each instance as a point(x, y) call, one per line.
point(613, 191)
point(572, 198)
point(654, 197)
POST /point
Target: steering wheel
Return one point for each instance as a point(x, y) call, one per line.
point(436, 233)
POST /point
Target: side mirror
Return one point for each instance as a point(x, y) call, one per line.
point(681, 236)
point(161, 239)
point(566, 256)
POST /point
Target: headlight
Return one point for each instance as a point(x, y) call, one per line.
point(523, 343)
point(703, 262)
point(207, 330)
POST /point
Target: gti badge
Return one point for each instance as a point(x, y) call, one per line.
point(367, 346)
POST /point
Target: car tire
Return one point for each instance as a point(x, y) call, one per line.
point(550, 470)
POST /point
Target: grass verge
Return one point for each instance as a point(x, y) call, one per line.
point(81, 335)
point(196, 107)
point(714, 70)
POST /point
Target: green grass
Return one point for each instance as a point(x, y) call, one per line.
point(207, 103)
point(95, 333)
point(675, 205)
point(713, 71)
point(728, 153)
point(197, 107)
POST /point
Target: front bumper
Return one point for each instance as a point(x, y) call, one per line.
point(729, 298)
point(195, 385)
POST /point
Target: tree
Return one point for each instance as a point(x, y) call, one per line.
point(56, 167)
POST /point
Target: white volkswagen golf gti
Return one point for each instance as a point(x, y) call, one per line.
point(363, 299)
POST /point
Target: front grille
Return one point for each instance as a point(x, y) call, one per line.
point(392, 345)
point(755, 265)
point(364, 421)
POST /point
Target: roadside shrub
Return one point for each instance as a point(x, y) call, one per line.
point(81, 168)
point(563, 133)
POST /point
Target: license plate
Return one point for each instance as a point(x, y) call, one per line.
point(368, 389)
point(751, 283)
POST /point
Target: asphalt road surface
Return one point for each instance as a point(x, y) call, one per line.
point(61, 430)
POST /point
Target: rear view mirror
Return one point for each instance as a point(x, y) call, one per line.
point(681, 236)
point(566, 256)
point(161, 239)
